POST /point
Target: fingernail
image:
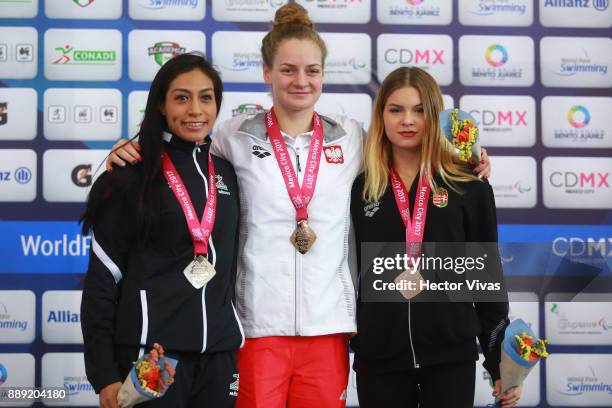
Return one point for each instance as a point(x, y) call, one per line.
point(139, 159)
point(480, 176)
point(134, 161)
point(482, 161)
point(486, 178)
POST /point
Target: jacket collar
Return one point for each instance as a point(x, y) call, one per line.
point(256, 127)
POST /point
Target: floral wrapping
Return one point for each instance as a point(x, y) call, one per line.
point(150, 378)
point(461, 131)
point(521, 351)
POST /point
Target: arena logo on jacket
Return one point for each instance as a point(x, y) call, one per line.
point(260, 152)
point(333, 154)
point(371, 209)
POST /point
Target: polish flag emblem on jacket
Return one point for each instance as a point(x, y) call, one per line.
point(333, 154)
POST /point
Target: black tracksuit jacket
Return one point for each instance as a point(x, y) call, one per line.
point(441, 332)
point(135, 294)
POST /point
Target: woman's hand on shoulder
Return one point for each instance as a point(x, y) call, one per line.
point(123, 151)
point(483, 169)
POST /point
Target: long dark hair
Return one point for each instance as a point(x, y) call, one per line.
point(140, 184)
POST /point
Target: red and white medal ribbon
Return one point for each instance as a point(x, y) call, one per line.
point(200, 231)
point(415, 225)
point(300, 197)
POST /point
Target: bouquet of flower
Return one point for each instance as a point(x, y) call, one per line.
point(461, 130)
point(521, 351)
point(150, 378)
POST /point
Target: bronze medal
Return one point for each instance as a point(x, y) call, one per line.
point(303, 237)
point(410, 275)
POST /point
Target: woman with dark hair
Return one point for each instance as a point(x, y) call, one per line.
point(157, 274)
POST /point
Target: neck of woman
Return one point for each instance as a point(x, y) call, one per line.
point(294, 123)
point(406, 163)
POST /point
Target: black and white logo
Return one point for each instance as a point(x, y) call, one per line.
point(82, 114)
point(371, 209)
point(260, 152)
point(108, 114)
point(25, 52)
point(57, 114)
point(221, 186)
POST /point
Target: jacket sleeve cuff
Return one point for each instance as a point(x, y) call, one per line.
point(105, 377)
point(493, 370)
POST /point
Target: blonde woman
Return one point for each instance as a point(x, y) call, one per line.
point(421, 354)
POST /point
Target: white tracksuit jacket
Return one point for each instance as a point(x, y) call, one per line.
point(279, 291)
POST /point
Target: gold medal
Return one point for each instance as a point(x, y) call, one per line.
point(411, 279)
point(199, 271)
point(303, 237)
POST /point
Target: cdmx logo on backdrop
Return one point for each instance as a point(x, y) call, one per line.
point(81, 175)
point(70, 56)
point(414, 56)
point(164, 51)
point(499, 120)
point(496, 55)
point(579, 182)
point(162, 4)
point(578, 116)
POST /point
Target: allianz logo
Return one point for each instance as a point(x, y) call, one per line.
point(63, 316)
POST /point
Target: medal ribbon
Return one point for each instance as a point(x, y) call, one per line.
point(200, 231)
point(415, 225)
point(300, 197)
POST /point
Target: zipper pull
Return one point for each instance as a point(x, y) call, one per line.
point(297, 160)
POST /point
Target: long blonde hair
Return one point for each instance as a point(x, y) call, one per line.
point(437, 155)
point(290, 21)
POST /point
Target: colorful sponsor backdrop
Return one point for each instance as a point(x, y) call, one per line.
point(535, 74)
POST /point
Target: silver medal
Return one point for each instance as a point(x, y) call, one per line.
point(199, 271)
